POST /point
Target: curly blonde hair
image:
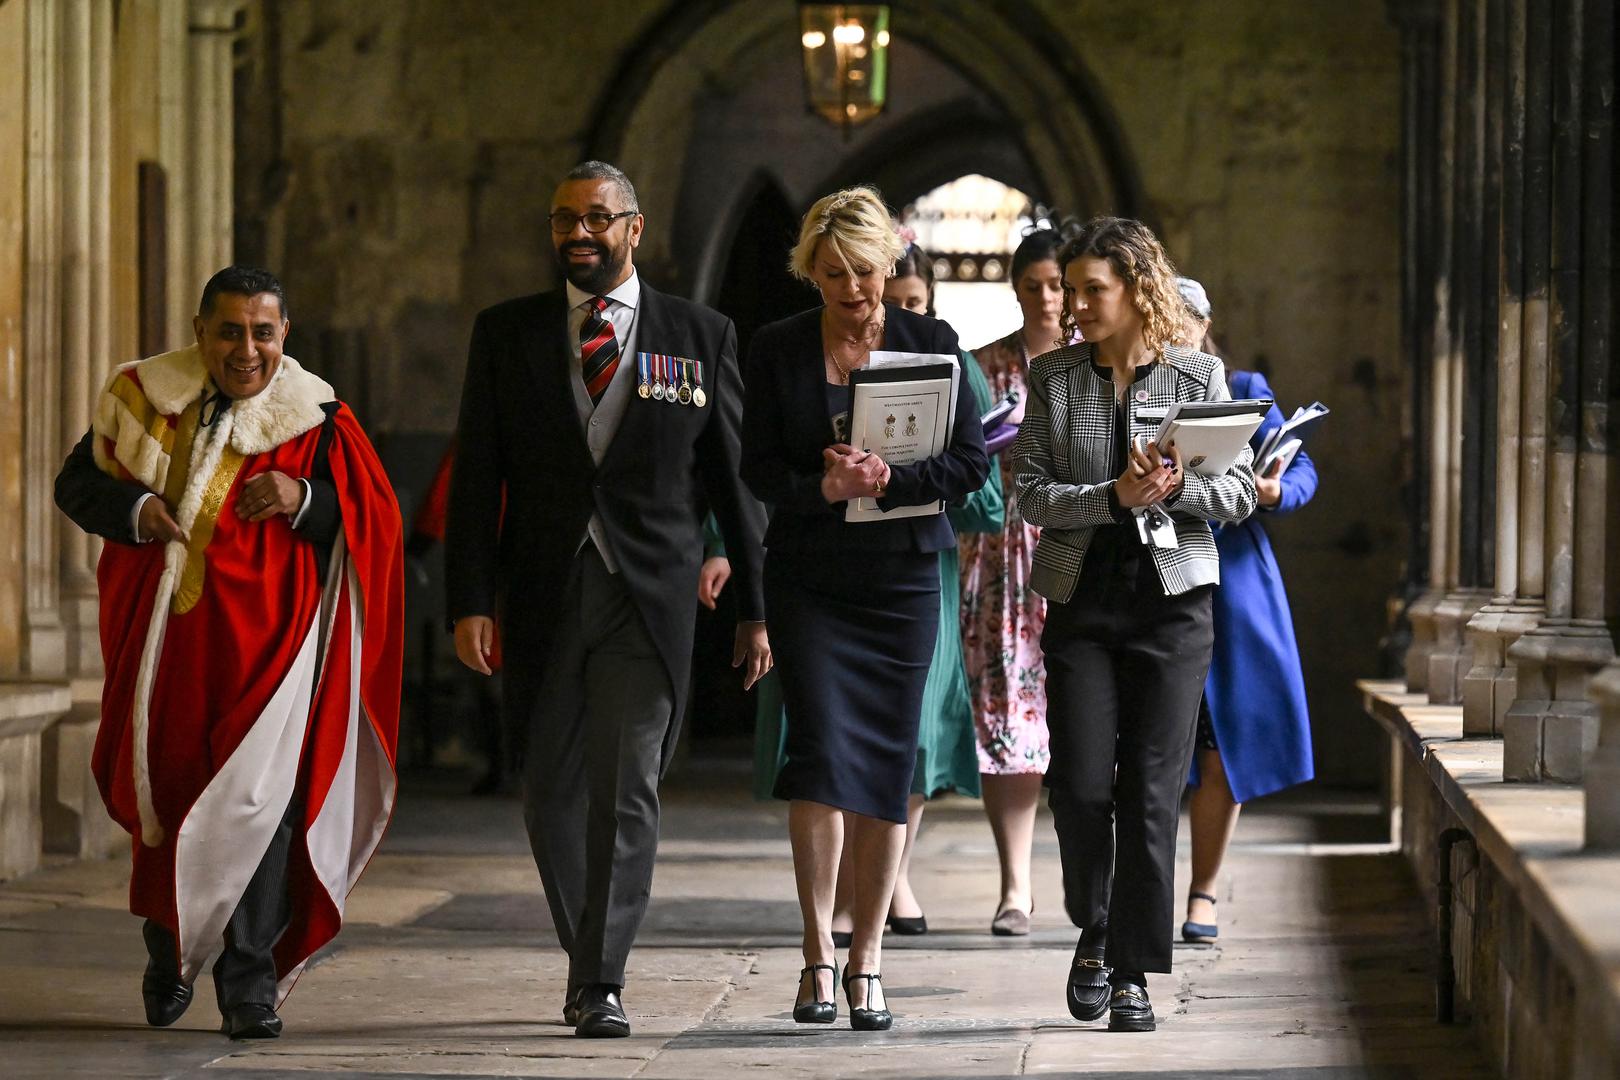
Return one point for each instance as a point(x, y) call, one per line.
point(1139, 259)
point(856, 223)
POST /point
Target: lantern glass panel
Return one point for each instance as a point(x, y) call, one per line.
point(846, 59)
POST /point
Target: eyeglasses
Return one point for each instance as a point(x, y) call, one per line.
point(563, 221)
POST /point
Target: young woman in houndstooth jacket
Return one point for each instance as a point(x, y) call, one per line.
point(1128, 623)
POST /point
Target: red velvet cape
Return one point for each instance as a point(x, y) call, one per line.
point(242, 638)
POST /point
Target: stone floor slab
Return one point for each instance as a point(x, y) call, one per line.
point(447, 967)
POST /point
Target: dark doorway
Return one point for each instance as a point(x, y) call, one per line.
point(756, 289)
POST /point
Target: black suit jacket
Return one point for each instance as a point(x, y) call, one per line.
point(786, 427)
point(520, 438)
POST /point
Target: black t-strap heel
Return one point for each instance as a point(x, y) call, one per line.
point(816, 1011)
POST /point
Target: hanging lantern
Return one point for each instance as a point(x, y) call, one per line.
point(846, 60)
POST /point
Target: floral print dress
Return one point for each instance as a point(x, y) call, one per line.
point(1001, 617)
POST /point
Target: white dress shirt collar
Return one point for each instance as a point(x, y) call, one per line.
point(628, 293)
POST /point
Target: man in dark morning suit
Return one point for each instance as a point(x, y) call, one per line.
point(599, 423)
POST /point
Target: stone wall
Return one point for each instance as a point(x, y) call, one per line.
point(395, 162)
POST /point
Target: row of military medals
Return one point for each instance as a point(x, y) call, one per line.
point(658, 372)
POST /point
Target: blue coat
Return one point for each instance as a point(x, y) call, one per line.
point(1255, 690)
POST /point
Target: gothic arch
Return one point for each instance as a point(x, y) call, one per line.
point(1046, 106)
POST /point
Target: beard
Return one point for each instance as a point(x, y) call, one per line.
point(601, 277)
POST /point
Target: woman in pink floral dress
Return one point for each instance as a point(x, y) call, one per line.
point(1001, 617)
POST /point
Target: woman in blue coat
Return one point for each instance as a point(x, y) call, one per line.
point(1254, 735)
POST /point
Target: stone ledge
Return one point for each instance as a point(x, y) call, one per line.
point(1531, 832)
point(27, 708)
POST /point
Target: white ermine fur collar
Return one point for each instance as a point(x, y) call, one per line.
point(288, 407)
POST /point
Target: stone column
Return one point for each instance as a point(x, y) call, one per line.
point(1597, 583)
point(1553, 726)
point(1419, 25)
point(209, 118)
point(45, 641)
point(1469, 417)
point(1595, 600)
point(1492, 684)
point(14, 48)
point(86, 180)
point(1437, 424)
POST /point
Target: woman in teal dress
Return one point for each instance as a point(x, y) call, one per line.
point(947, 749)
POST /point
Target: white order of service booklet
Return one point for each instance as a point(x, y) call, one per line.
point(901, 408)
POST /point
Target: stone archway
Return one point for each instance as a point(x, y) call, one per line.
point(1024, 103)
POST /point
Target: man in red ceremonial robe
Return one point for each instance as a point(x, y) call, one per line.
point(251, 632)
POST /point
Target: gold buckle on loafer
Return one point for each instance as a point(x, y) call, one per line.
point(1089, 962)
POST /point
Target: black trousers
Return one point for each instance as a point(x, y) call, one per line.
point(1125, 669)
point(590, 772)
point(245, 972)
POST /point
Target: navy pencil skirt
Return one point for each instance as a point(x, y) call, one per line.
point(853, 637)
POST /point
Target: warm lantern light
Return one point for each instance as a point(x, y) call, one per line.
point(848, 83)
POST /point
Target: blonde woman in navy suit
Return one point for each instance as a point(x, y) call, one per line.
point(853, 607)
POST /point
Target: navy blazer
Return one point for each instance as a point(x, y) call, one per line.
point(786, 427)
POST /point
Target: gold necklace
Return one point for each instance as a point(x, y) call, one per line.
point(868, 335)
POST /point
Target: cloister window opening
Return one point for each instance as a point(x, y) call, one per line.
point(970, 226)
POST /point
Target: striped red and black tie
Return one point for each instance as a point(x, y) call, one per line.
point(598, 350)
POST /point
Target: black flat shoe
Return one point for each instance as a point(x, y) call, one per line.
point(865, 1019)
point(601, 1014)
point(1129, 1009)
point(908, 927)
point(1088, 982)
point(251, 1021)
point(816, 1011)
point(166, 998)
point(1010, 922)
point(1198, 933)
point(843, 939)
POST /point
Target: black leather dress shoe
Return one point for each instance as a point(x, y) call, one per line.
point(251, 1021)
point(1129, 1009)
point(1088, 983)
point(166, 998)
point(601, 1015)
